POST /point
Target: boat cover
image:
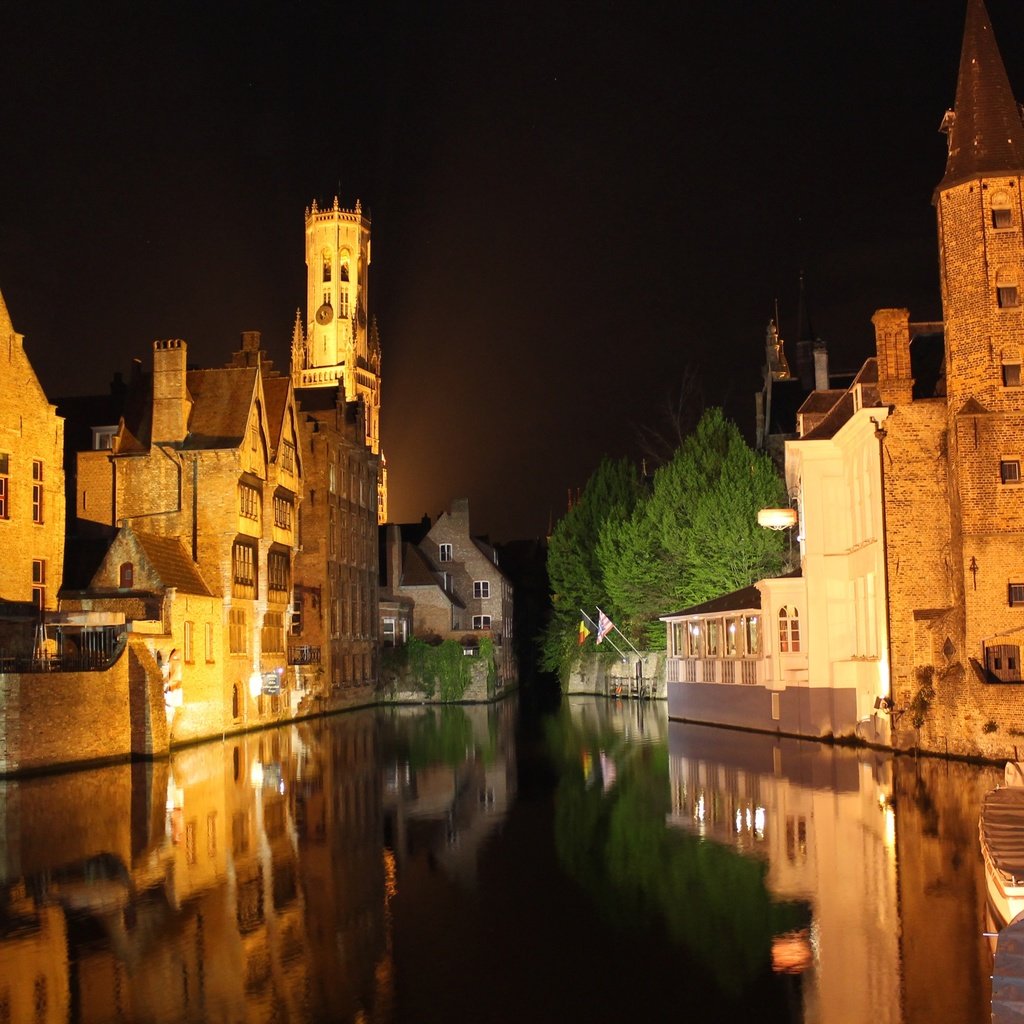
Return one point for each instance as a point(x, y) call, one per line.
point(1008, 973)
point(1002, 830)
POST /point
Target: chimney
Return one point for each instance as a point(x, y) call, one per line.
point(892, 345)
point(821, 382)
point(393, 542)
point(171, 404)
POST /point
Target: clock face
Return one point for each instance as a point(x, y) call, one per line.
point(325, 314)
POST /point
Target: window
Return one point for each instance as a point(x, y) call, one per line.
point(343, 310)
point(282, 513)
point(751, 635)
point(5, 511)
point(1003, 661)
point(1016, 595)
point(789, 630)
point(37, 491)
point(277, 571)
point(481, 622)
point(39, 583)
point(288, 457)
point(243, 570)
point(189, 651)
point(388, 632)
point(1002, 216)
point(732, 637)
point(209, 642)
point(1009, 471)
point(713, 637)
point(103, 438)
point(481, 588)
point(126, 577)
point(248, 502)
point(444, 553)
point(1011, 375)
point(296, 626)
point(694, 640)
point(272, 636)
point(326, 266)
point(1007, 296)
point(238, 635)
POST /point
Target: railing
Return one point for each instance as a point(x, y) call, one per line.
point(740, 671)
point(304, 654)
point(97, 658)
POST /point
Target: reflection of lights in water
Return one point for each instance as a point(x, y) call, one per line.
point(792, 952)
point(256, 774)
point(739, 820)
point(759, 820)
point(890, 827)
point(390, 874)
point(700, 811)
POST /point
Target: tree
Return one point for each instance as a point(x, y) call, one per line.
point(574, 571)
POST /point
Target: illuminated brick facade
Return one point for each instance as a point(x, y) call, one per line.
point(31, 481)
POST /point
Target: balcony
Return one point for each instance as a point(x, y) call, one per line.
point(303, 654)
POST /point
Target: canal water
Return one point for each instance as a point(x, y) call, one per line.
point(587, 861)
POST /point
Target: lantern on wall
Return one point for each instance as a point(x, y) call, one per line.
point(777, 518)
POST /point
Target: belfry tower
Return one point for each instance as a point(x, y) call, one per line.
point(338, 343)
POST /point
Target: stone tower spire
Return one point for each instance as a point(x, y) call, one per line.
point(984, 128)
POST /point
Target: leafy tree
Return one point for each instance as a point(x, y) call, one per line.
point(696, 536)
point(574, 571)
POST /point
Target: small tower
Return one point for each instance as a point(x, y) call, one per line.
point(979, 211)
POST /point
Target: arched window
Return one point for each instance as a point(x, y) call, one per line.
point(127, 576)
point(1007, 293)
point(1002, 215)
point(326, 262)
point(789, 630)
point(234, 704)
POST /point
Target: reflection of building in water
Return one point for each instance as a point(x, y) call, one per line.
point(822, 820)
point(445, 811)
point(634, 720)
point(336, 802)
point(244, 883)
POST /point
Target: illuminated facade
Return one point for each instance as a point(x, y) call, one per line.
point(211, 458)
point(31, 483)
point(338, 343)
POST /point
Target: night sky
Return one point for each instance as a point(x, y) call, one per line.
point(574, 205)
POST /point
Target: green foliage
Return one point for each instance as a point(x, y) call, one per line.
point(921, 702)
point(573, 568)
point(693, 537)
point(440, 670)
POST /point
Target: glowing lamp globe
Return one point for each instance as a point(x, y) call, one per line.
point(776, 518)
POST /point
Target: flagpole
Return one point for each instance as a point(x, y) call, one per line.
point(623, 635)
point(598, 635)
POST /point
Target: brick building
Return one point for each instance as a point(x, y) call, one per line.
point(31, 485)
point(454, 583)
point(211, 459)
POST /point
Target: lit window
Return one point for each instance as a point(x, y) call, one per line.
point(695, 638)
point(789, 630)
point(248, 502)
point(1016, 594)
point(243, 570)
point(444, 553)
point(37, 491)
point(238, 634)
point(277, 571)
point(126, 576)
point(39, 582)
point(752, 635)
point(1009, 471)
point(481, 622)
point(282, 513)
point(1011, 375)
point(481, 588)
point(713, 633)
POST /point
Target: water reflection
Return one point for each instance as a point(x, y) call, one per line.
point(243, 881)
point(384, 866)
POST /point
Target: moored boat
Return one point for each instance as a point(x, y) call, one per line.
point(1001, 831)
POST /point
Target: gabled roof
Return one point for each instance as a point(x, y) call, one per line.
point(986, 135)
point(171, 563)
point(845, 406)
point(222, 401)
point(418, 572)
point(275, 393)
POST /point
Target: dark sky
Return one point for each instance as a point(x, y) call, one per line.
point(574, 204)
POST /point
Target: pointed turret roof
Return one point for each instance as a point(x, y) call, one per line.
point(985, 133)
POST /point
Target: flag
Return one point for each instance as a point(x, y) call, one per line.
point(604, 625)
point(584, 631)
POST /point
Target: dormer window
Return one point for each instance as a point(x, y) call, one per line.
point(126, 579)
point(444, 552)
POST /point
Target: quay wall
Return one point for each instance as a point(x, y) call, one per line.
point(68, 718)
point(639, 675)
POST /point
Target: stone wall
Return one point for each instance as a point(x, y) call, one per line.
point(597, 674)
point(67, 718)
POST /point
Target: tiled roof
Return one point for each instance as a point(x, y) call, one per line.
point(275, 392)
point(172, 564)
point(987, 136)
point(221, 403)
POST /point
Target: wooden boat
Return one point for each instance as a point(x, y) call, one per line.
point(1001, 831)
